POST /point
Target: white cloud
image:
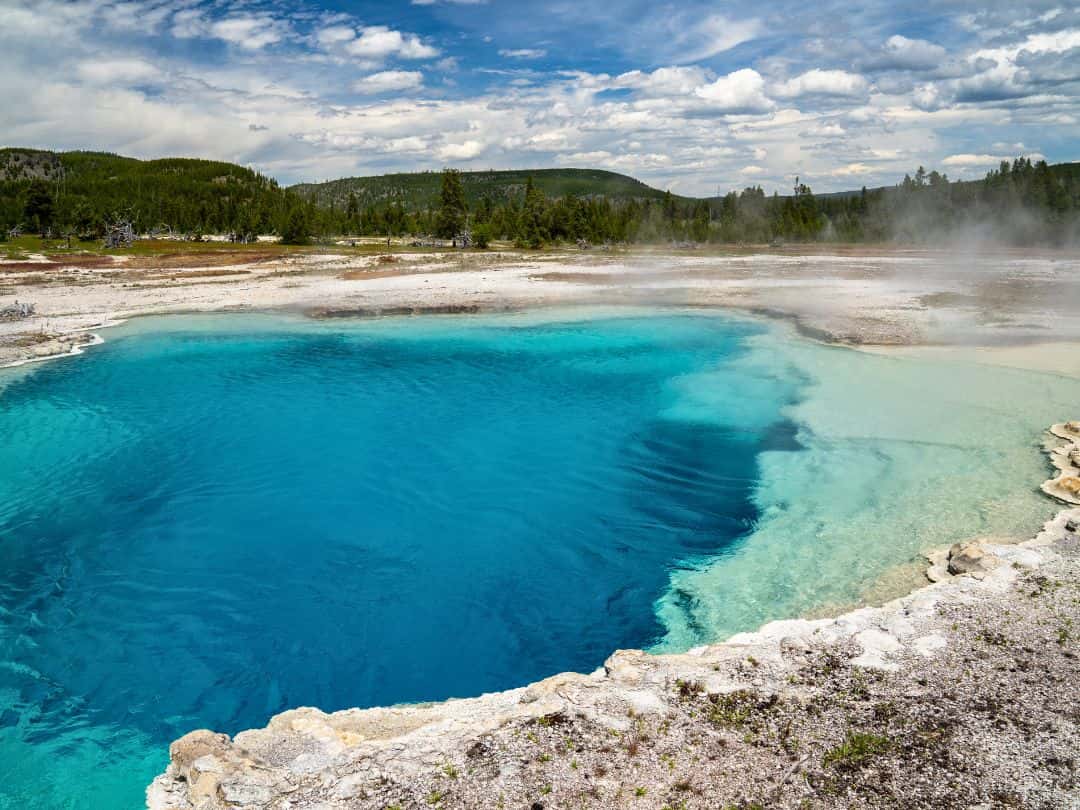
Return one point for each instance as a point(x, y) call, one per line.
point(996, 74)
point(189, 23)
point(523, 53)
point(825, 129)
point(969, 160)
point(597, 157)
point(822, 82)
point(901, 53)
point(666, 81)
point(740, 92)
point(713, 35)
point(248, 32)
point(389, 81)
point(927, 97)
point(137, 16)
point(885, 154)
point(851, 170)
point(1053, 42)
point(335, 35)
point(117, 72)
point(467, 150)
point(674, 123)
point(376, 43)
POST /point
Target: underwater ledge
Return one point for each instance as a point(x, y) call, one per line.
point(960, 693)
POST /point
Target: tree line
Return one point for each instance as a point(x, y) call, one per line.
point(82, 193)
point(1021, 202)
point(1018, 203)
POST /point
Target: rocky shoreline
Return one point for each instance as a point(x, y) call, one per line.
point(962, 694)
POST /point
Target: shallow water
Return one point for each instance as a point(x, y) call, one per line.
point(206, 521)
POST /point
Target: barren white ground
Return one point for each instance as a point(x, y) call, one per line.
point(862, 296)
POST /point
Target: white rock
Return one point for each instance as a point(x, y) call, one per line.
point(876, 645)
point(928, 646)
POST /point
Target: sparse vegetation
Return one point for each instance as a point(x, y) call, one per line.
point(731, 710)
point(1064, 634)
point(857, 748)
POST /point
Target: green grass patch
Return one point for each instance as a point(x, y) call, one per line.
point(857, 749)
point(732, 710)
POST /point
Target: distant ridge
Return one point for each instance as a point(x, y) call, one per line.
point(80, 193)
point(421, 189)
point(17, 164)
point(184, 193)
point(105, 174)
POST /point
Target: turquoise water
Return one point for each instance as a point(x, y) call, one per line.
point(206, 521)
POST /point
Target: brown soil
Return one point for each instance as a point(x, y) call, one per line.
point(196, 260)
point(81, 260)
point(187, 274)
point(25, 267)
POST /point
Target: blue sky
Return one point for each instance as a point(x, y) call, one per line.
point(693, 96)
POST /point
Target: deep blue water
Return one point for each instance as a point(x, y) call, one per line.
point(201, 526)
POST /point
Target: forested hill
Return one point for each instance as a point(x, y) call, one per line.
point(421, 189)
point(83, 190)
point(80, 193)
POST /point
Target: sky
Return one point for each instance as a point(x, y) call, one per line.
point(696, 97)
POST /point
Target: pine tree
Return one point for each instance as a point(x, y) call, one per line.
point(296, 229)
point(450, 219)
point(532, 216)
point(38, 209)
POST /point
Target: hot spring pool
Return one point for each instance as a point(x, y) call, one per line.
point(206, 521)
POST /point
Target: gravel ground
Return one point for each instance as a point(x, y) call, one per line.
point(991, 722)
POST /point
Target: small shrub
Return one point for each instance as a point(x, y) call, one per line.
point(481, 236)
point(1065, 633)
point(731, 710)
point(688, 689)
point(993, 637)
